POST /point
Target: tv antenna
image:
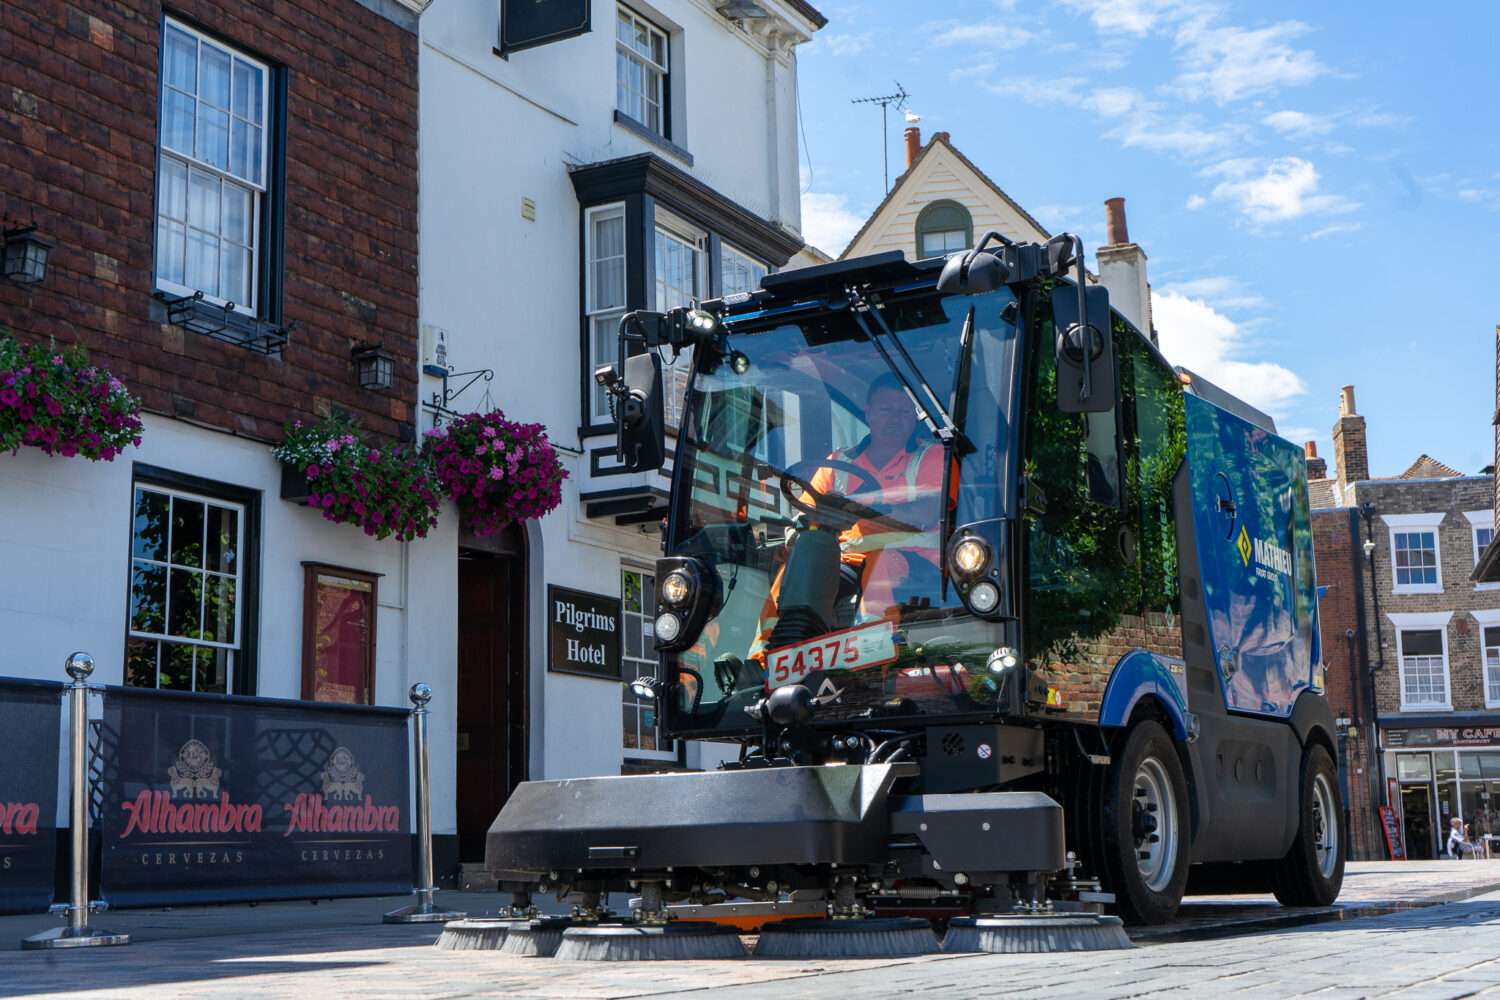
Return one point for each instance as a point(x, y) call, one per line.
point(885, 101)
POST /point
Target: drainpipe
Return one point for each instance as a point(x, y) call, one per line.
point(1368, 509)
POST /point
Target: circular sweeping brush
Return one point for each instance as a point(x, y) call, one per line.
point(823, 937)
point(535, 937)
point(687, 939)
point(1004, 934)
point(474, 934)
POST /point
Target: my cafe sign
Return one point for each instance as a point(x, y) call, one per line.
point(1437, 736)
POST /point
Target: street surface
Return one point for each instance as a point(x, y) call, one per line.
point(1411, 945)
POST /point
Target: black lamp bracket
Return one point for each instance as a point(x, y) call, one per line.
point(438, 404)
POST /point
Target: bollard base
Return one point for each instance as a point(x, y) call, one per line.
point(423, 913)
point(69, 937)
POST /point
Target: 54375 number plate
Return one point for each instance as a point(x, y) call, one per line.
point(852, 649)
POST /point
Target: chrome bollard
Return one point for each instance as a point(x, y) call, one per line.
point(424, 911)
point(77, 933)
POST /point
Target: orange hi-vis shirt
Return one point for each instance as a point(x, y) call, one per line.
point(908, 476)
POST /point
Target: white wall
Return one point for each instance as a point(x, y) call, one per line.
point(65, 559)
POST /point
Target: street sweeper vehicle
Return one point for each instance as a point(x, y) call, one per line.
point(1005, 615)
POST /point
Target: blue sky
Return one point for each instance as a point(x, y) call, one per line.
point(1316, 186)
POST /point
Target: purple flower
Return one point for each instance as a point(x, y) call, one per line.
point(9, 397)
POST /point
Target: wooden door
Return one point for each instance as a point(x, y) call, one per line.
point(492, 694)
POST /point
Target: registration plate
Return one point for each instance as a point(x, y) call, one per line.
point(852, 649)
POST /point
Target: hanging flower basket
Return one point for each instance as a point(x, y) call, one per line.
point(52, 398)
point(384, 490)
point(496, 470)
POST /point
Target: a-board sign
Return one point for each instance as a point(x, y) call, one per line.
point(528, 23)
point(1393, 838)
point(583, 633)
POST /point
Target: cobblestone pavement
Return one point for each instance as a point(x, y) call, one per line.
point(342, 951)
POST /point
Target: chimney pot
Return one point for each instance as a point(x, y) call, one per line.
point(1114, 221)
point(913, 144)
point(1346, 401)
point(1311, 448)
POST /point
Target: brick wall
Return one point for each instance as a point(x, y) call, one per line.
point(1456, 556)
point(1341, 569)
point(1082, 684)
point(78, 117)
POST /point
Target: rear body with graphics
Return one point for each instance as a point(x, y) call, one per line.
point(1074, 658)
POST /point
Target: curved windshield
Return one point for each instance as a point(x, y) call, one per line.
point(815, 485)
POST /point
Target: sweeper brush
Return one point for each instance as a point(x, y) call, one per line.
point(839, 937)
point(535, 937)
point(474, 934)
point(650, 942)
point(1005, 934)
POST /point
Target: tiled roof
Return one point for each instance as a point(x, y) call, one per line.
point(1322, 494)
point(1427, 467)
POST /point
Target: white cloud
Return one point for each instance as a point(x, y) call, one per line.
point(1142, 124)
point(1219, 291)
point(827, 222)
point(1334, 230)
point(1297, 123)
point(1133, 17)
point(988, 35)
point(1195, 202)
point(1274, 191)
point(1232, 62)
point(1196, 336)
point(842, 45)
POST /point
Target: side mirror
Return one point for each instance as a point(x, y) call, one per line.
point(1086, 378)
point(640, 423)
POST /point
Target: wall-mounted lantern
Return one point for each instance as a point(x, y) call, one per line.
point(25, 255)
point(373, 367)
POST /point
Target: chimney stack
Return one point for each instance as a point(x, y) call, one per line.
point(1122, 270)
point(913, 144)
point(1349, 452)
point(1317, 468)
point(1114, 222)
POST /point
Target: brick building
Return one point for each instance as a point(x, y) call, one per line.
point(1411, 642)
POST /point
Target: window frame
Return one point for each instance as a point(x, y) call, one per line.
point(732, 256)
point(1488, 618)
point(268, 210)
point(243, 667)
point(1481, 520)
point(1423, 622)
point(668, 750)
point(597, 410)
point(1409, 524)
point(923, 227)
point(311, 574)
point(661, 72)
point(676, 368)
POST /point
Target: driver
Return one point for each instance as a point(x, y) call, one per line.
point(903, 477)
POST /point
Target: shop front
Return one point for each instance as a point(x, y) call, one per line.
point(1439, 773)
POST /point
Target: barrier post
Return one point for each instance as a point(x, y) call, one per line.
point(77, 933)
point(424, 911)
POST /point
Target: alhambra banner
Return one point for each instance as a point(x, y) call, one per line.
point(215, 798)
point(29, 734)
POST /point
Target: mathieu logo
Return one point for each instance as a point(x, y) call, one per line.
point(342, 781)
point(195, 777)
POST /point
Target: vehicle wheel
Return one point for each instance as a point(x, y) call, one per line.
point(1312, 872)
point(1145, 822)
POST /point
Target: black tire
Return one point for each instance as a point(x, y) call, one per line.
point(1312, 872)
point(1144, 817)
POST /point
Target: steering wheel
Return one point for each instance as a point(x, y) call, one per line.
point(834, 510)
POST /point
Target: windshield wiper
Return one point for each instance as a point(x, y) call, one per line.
point(942, 426)
point(958, 406)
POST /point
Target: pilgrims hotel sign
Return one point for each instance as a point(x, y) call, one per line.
point(583, 633)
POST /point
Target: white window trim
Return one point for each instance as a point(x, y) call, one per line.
point(1422, 621)
point(1402, 524)
point(257, 248)
point(648, 616)
point(1479, 519)
point(663, 70)
point(1485, 617)
point(590, 314)
point(235, 648)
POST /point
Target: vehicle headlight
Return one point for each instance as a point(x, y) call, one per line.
point(984, 597)
point(676, 588)
point(668, 626)
point(970, 557)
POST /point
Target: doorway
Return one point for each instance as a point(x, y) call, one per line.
point(493, 703)
point(1416, 807)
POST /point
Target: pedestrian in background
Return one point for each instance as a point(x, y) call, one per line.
point(1458, 843)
